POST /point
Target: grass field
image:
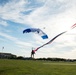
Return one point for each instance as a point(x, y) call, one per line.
point(32, 67)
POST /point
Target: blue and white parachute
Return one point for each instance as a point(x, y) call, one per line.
point(37, 31)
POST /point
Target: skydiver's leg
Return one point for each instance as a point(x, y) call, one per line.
point(33, 55)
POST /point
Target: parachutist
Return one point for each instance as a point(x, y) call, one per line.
point(32, 53)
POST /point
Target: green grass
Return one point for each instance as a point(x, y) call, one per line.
point(32, 67)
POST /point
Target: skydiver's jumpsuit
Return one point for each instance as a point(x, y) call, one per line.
point(32, 53)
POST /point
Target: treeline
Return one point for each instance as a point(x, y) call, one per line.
point(56, 59)
point(41, 59)
point(46, 59)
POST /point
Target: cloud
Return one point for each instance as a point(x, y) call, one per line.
point(3, 2)
point(50, 13)
point(24, 44)
point(16, 10)
point(8, 36)
point(39, 15)
point(55, 15)
point(12, 10)
point(16, 40)
point(3, 23)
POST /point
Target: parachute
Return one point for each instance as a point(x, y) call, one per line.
point(37, 31)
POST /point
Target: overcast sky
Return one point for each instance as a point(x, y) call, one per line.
point(55, 16)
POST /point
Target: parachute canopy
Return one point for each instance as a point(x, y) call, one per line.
point(37, 31)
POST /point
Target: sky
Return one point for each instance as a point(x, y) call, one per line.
point(51, 16)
